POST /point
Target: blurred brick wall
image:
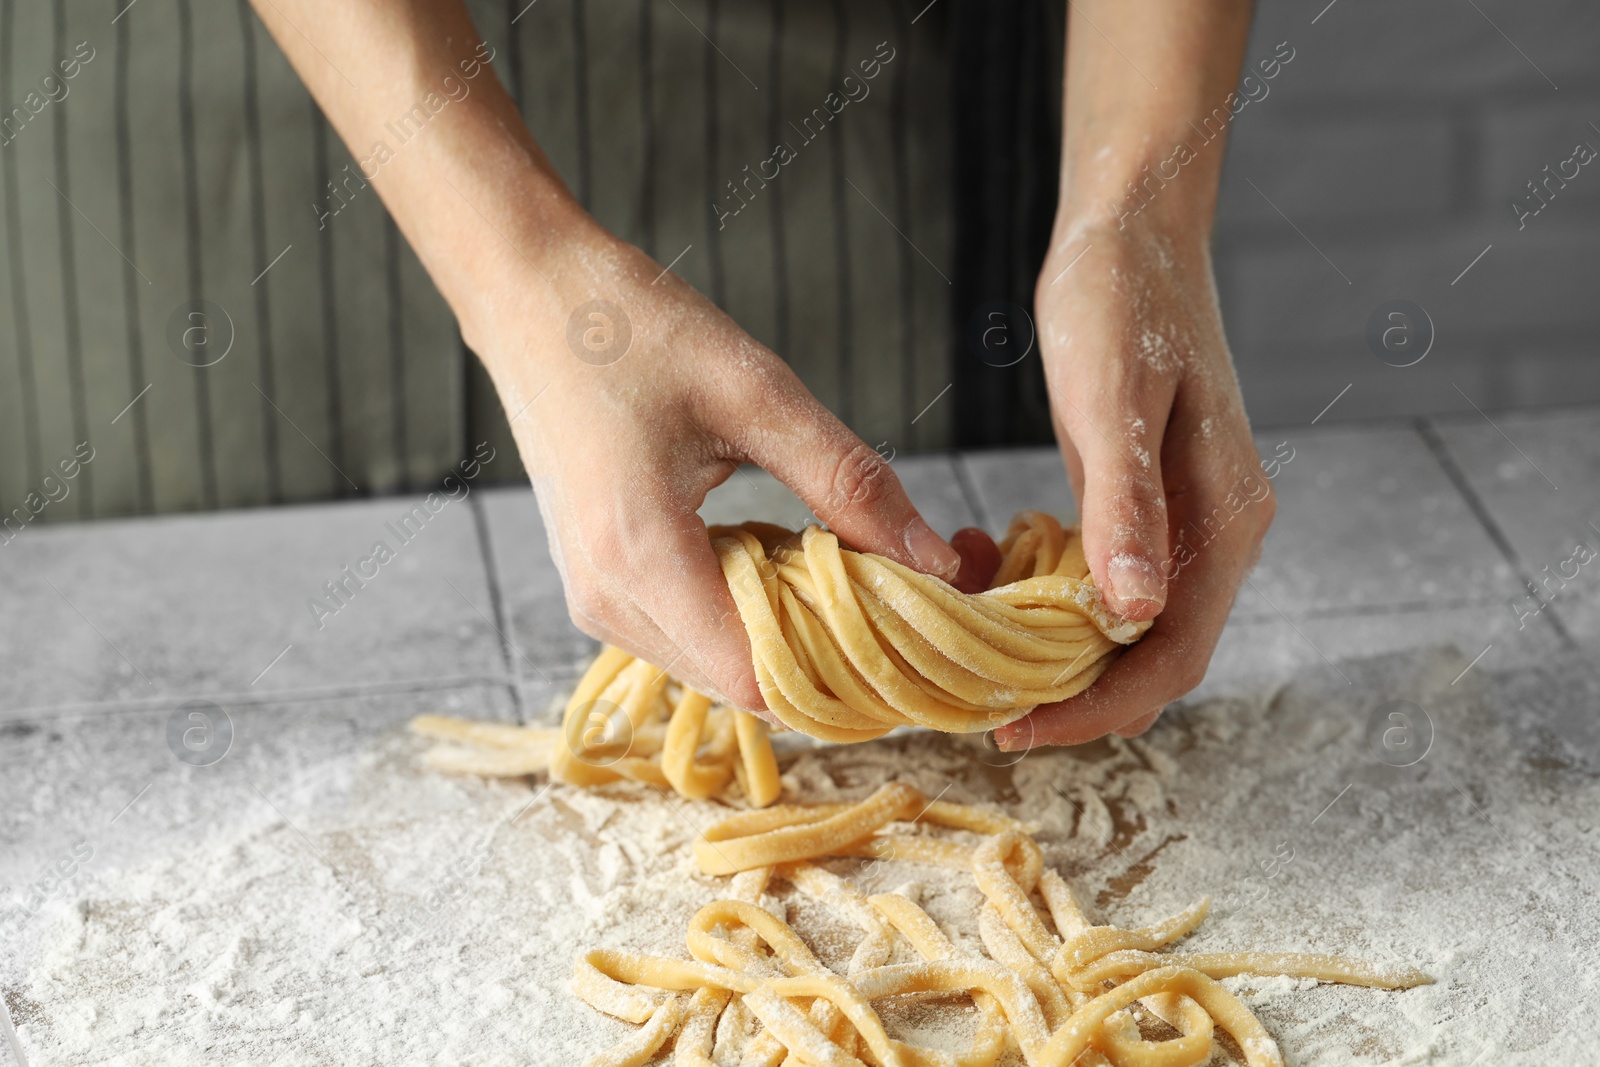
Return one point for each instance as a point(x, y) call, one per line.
point(1395, 141)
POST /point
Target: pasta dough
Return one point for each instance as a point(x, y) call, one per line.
point(849, 645)
point(1064, 995)
point(846, 647)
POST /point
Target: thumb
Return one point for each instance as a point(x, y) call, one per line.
point(852, 488)
point(1124, 515)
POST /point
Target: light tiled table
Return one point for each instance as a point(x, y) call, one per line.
point(1389, 536)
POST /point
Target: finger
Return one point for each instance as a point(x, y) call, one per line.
point(681, 587)
point(1137, 685)
point(1123, 503)
point(627, 627)
point(1166, 663)
point(851, 488)
point(980, 559)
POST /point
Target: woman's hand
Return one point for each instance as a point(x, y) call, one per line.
point(626, 412)
point(1142, 390)
point(1171, 492)
point(626, 416)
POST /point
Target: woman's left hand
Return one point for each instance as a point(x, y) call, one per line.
point(1172, 495)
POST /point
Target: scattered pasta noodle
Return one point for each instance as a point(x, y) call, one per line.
point(846, 646)
point(626, 720)
point(1060, 991)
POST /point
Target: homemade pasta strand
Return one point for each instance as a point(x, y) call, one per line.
point(626, 720)
point(1062, 994)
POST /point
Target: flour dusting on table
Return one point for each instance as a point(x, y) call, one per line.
point(427, 919)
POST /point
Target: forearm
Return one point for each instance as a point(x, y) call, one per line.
point(1147, 110)
point(407, 86)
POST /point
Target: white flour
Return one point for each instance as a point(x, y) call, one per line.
point(434, 920)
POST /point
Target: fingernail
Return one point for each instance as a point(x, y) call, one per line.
point(930, 552)
point(1134, 578)
point(1007, 738)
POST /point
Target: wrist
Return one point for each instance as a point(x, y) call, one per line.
point(1166, 183)
point(1141, 205)
point(505, 261)
point(1135, 241)
point(509, 268)
point(487, 214)
point(537, 259)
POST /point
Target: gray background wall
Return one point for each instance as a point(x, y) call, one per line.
point(1395, 141)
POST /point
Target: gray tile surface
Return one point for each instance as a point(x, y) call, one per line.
point(1007, 481)
point(752, 493)
point(1367, 518)
point(110, 777)
point(1255, 650)
point(930, 481)
point(932, 484)
point(545, 646)
point(1539, 479)
point(148, 609)
point(1375, 551)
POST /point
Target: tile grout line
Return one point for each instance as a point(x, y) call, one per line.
point(497, 606)
point(1458, 477)
point(969, 491)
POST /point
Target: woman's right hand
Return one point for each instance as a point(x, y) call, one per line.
point(623, 437)
point(628, 413)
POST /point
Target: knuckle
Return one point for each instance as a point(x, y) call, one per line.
point(734, 679)
point(1135, 506)
point(861, 476)
point(760, 376)
point(1256, 501)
